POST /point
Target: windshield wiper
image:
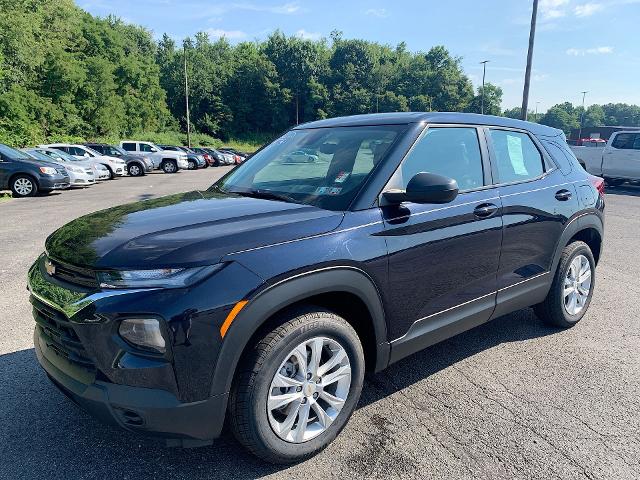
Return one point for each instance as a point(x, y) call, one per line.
point(265, 194)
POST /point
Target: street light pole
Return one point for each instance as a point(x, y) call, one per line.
point(186, 95)
point(527, 74)
point(582, 116)
point(484, 72)
point(536, 117)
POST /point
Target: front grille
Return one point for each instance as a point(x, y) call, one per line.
point(62, 171)
point(60, 336)
point(74, 275)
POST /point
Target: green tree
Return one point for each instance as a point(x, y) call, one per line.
point(492, 100)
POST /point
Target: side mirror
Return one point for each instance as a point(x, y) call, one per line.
point(154, 149)
point(86, 154)
point(425, 188)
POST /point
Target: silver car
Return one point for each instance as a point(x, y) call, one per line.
point(100, 172)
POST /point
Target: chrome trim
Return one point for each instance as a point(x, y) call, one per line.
point(478, 201)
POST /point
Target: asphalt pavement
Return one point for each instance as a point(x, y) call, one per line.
point(509, 399)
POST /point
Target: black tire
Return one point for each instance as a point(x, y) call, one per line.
point(552, 310)
point(135, 169)
point(111, 174)
point(247, 404)
point(23, 186)
point(192, 165)
point(169, 166)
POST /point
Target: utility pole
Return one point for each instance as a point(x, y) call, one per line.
point(527, 74)
point(186, 95)
point(536, 117)
point(582, 115)
point(484, 72)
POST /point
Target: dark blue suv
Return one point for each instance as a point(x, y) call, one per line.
point(264, 299)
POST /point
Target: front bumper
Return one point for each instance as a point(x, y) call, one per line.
point(169, 395)
point(184, 164)
point(54, 182)
point(81, 179)
point(143, 410)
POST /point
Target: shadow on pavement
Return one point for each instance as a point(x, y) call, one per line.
point(44, 435)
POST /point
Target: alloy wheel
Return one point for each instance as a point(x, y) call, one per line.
point(134, 170)
point(577, 285)
point(309, 390)
point(23, 186)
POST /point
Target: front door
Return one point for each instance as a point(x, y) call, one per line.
point(443, 259)
point(622, 158)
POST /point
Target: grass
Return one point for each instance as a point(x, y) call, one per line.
point(4, 196)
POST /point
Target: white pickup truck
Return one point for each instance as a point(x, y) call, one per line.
point(617, 162)
point(166, 160)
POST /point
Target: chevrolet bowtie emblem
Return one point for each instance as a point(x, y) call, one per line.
point(50, 267)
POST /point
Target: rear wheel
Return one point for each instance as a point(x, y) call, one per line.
point(192, 165)
point(24, 186)
point(572, 288)
point(298, 387)
point(111, 174)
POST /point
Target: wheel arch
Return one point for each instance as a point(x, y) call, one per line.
point(587, 228)
point(347, 291)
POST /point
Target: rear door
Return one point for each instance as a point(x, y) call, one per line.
point(538, 201)
point(622, 157)
point(443, 259)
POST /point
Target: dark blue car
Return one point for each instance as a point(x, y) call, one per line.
point(265, 298)
point(25, 175)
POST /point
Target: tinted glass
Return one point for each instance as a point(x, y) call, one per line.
point(13, 154)
point(322, 167)
point(129, 146)
point(145, 148)
point(624, 141)
point(452, 152)
point(517, 157)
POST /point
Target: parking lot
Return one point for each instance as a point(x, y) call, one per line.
point(509, 399)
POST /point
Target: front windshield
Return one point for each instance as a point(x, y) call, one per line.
point(92, 151)
point(38, 155)
point(324, 167)
point(60, 155)
point(113, 151)
point(14, 154)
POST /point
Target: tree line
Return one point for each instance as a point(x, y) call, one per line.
point(65, 74)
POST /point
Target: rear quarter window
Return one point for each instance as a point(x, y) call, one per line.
point(563, 157)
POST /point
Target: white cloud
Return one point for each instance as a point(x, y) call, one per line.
point(587, 9)
point(581, 52)
point(377, 12)
point(284, 9)
point(302, 33)
point(228, 34)
point(551, 9)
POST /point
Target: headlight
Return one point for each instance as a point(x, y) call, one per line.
point(158, 278)
point(143, 332)
point(48, 170)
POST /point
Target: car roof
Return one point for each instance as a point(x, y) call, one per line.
point(401, 118)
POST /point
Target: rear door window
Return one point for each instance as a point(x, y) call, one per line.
point(517, 157)
point(624, 141)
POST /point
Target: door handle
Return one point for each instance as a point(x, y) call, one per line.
point(563, 195)
point(485, 210)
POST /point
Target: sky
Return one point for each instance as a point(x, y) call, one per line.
point(580, 45)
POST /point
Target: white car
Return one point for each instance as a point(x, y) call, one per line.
point(116, 166)
point(166, 160)
point(617, 162)
point(100, 172)
point(79, 175)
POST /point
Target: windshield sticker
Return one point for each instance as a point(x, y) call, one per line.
point(322, 191)
point(285, 138)
point(335, 191)
point(342, 176)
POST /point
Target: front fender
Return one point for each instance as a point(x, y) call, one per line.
point(275, 297)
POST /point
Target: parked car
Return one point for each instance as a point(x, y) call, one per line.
point(243, 156)
point(25, 175)
point(266, 297)
point(166, 160)
point(137, 165)
point(58, 156)
point(618, 161)
point(202, 161)
point(300, 156)
point(219, 157)
point(194, 161)
point(79, 175)
point(116, 166)
point(210, 161)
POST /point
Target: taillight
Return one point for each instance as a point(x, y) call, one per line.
point(599, 184)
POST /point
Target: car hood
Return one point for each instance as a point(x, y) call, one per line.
point(182, 230)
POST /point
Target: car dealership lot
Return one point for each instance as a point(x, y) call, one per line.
point(512, 398)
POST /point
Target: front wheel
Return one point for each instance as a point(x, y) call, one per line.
point(24, 186)
point(192, 165)
point(135, 170)
point(572, 288)
point(169, 167)
point(298, 387)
